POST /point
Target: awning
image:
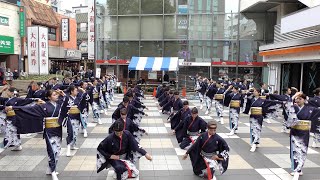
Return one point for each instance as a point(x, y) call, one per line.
point(154, 64)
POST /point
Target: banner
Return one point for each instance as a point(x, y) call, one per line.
point(43, 51)
point(33, 50)
point(91, 34)
point(98, 73)
point(22, 22)
point(6, 45)
point(65, 29)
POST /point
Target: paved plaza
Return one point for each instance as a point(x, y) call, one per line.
point(271, 160)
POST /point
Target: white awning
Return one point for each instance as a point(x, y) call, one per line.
point(154, 64)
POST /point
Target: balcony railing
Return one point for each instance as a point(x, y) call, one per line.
point(278, 37)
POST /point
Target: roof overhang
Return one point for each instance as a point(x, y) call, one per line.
point(260, 6)
point(302, 20)
point(289, 44)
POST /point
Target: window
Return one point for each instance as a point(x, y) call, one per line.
point(52, 34)
point(83, 27)
point(55, 9)
point(77, 11)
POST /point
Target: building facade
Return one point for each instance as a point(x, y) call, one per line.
point(10, 42)
point(81, 13)
point(293, 45)
point(62, 53)
point(193, 30)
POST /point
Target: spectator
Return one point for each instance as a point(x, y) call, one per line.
point(23, 75)
point(9, 76)
point(141, 81)
point(15, 74)
point(166, 77)
point(129, 82)
point(1, 75)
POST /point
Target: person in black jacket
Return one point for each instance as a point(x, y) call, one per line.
point(202, 90)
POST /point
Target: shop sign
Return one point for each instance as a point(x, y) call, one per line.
point(33, 50)
point(38, 57)
point(183, 24)
point(43, 50)
point(73, 54)
point(183, 9)
point(65, 29)
point(22, 22)
point(91, 25)
point(4, 21)
point(83, 47)
point(6, 45)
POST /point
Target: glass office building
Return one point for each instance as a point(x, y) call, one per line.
point(193, 30)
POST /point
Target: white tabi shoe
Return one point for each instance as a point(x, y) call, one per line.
point(231, 133)
point(253, 148)
point(268, 121)
point(300, 174)
point(201, 106)
point(85, 133)
point(99, 121)
point(74, 148)
point(54, 176)
point(312, 134)
point(207, 112)
point(105, 112)
point(68, 151)
point(315, 144)
point(214, 177)
point(296, 176)
point(48, 172)
point(221, 120)
point(109, 106)
point(283, 129)
point(17, 148)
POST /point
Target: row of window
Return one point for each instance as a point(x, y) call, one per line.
point(52, 34)
point(121, 7)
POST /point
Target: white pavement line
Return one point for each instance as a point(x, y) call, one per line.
point(274, 174)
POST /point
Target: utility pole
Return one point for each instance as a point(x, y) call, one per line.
point(238, 41)
point(95, 37)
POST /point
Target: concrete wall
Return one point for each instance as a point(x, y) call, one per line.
point(11, 11)
point(247, 3)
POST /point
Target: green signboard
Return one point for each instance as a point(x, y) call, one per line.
point(6, 45)
point(22, 22)
point(4, 21)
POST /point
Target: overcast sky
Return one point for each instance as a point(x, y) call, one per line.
point(68, 4)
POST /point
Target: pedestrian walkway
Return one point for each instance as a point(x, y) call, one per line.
point(271, 160)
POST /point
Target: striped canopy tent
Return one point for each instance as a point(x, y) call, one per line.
point(154, 64)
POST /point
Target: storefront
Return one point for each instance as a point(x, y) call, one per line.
point(9, 37)
point(251, 71)
point(294, 73)
point(117, 67)
point(297, 66)
point(69, 61)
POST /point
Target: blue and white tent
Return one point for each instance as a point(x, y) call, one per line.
point(154, 64)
